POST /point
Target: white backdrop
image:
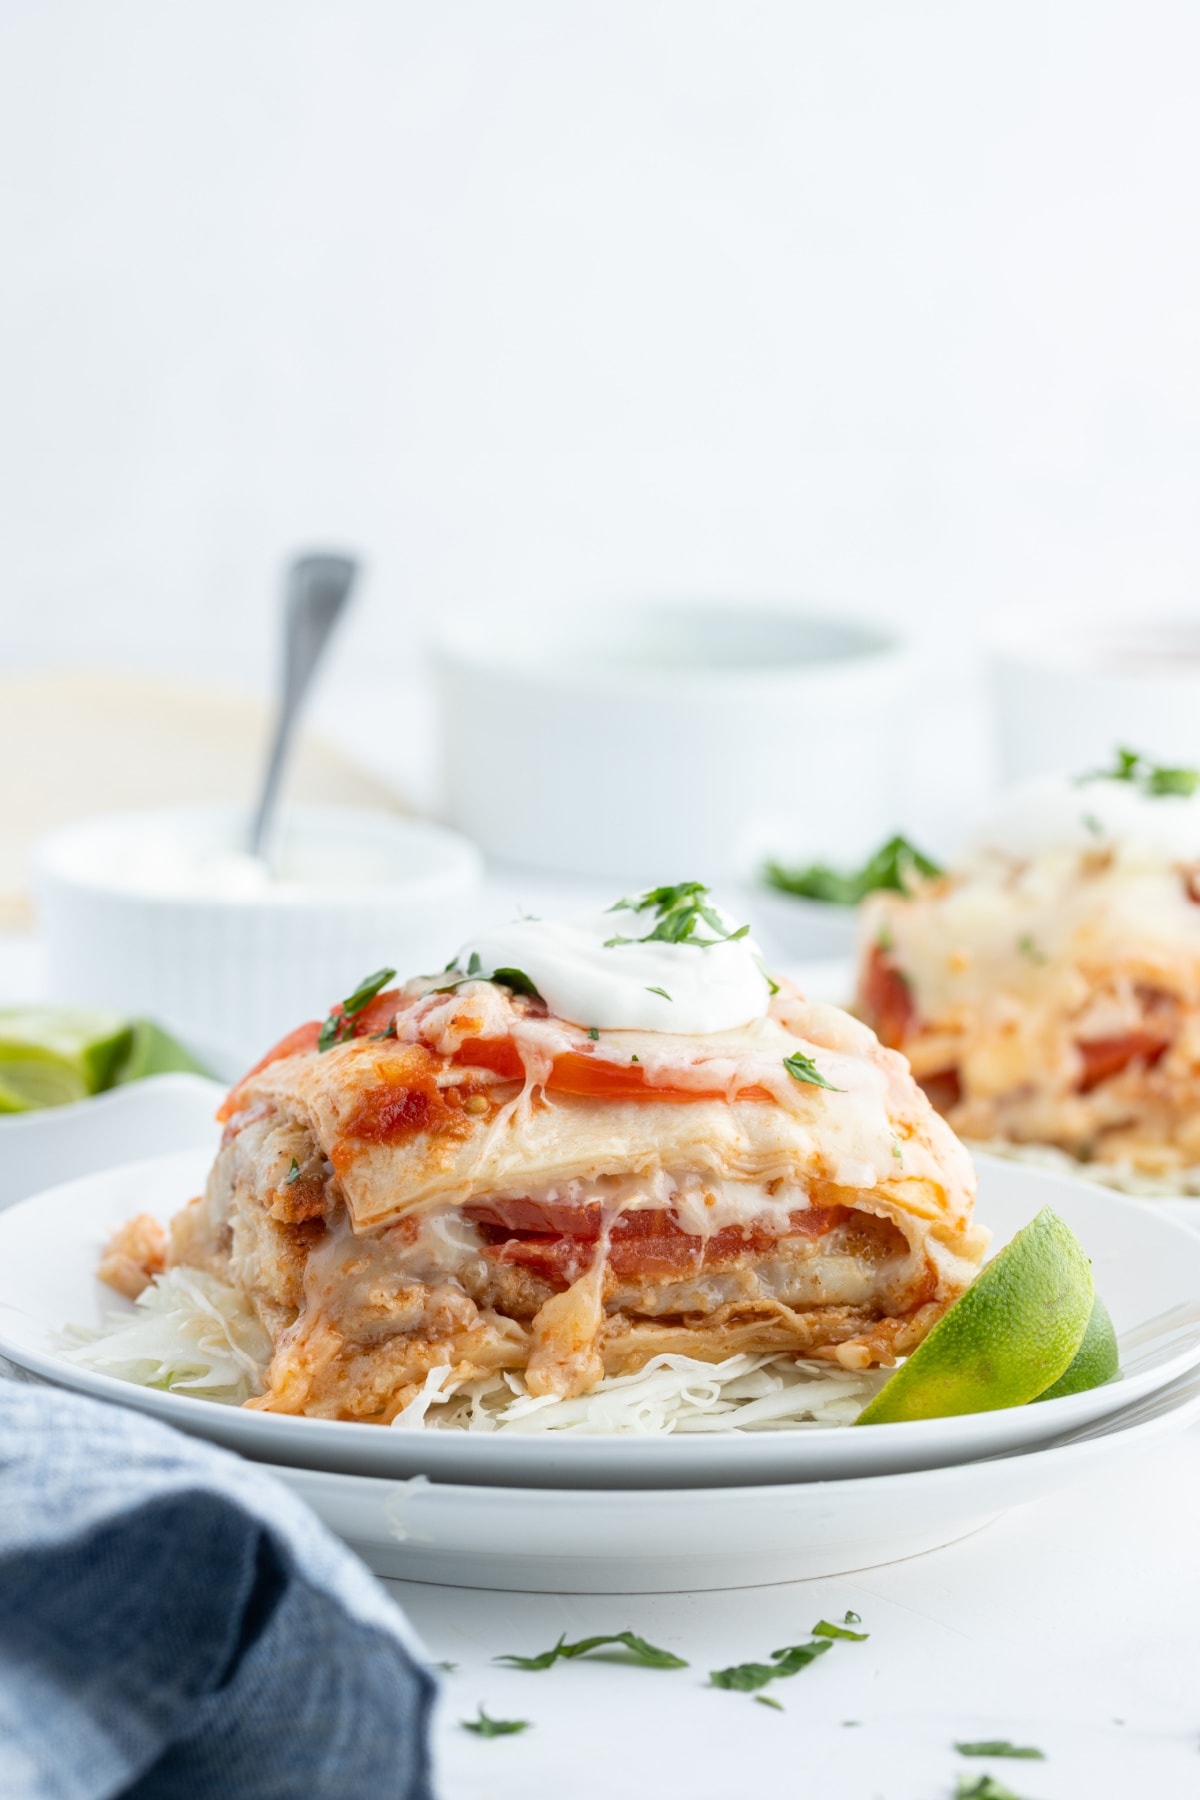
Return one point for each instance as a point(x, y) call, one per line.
point(888, 305)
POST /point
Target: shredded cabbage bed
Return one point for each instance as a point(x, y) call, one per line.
point(193, 1334)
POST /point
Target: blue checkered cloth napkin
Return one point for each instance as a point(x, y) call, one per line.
point(174, 1625)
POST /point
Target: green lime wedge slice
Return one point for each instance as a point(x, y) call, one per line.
point(1096, 1361)
point(1006, 1340)
point(154, 1051)
point(52, 1055)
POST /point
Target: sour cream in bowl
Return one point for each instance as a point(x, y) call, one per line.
point(163, 912)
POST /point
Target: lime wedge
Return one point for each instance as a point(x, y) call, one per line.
point(1009, 1338)
point(52, 1055)
point(1096, 1360)
point(154, 1051)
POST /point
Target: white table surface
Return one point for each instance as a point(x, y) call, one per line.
point(1072, 1624)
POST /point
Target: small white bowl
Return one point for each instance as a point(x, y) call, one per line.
point(672, 742)
point(158, 913)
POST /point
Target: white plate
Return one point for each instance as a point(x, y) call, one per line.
point(55, 1143)
point(1146, 1266)
point(589, 1541)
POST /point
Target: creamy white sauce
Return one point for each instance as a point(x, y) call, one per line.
point(585, 979)
point(1057, 813)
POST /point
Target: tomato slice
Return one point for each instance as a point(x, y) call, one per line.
point(1105, 1057)
point(591, 1077)
point(887, 1000)
point(643, 1243)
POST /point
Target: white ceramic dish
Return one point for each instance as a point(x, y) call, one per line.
point(585, 1541)
point(233, 969)
point(606, 702)
point(1145, 1267)
point(791, 928)
point(57, 1143)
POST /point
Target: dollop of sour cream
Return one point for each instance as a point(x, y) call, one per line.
point(687, 988)
point(1055, 812)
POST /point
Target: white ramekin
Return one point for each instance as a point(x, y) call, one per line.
point(672, 742)
point(236, 973)
point(1065, 699)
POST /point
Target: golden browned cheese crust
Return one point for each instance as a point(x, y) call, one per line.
point(489, 1189)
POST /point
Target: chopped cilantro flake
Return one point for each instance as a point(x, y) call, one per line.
point(660, 991)
point(485, 1727)
point(680, 911)
point(293, 1174)
point(746, 1677)
point(803, 1068)
point(1157, 780)
point(768, 1700)
point(648, 1655)
point(1001, 1747)
point(824, 1629)
point(593, 1034)
point(893, 866)
point(983, 1787)
point(339, 1026)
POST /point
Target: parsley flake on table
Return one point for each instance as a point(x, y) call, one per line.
point(339, 1026)
point(803, 1068)
point(769, 1700)
point(661, 991)
point(648, 1655)
point(485, 1727)
point(680, 911)
point(851, 1618)
point(826, 1630)
point(983, 1787)
point(1001, 1747)
point(746, 1677)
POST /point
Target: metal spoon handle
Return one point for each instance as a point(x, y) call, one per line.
point(318, 588)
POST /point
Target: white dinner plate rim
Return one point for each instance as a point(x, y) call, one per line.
point(273, 1437)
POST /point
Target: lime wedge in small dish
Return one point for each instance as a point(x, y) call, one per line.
point(50, 1056)
point(154, 1051)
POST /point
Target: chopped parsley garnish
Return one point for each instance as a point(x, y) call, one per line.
point(803, 1068)
point(746, 1677)
point(825, 1630)
point(762, 969)
point(293, 1174)
point(1027, 945)
point(485, 1727)
point(516, 979)
point(769, 1700)
point(680, 911)
point(1001, 1747)
point(593, 1034)
point(339, 1026)
point(447, 1668)
point(851, 1618)
point(649, 1655)
point(983, 1787)
point(635, 1057)
point(893, 866)
point(661, 991)
point(1156, 779)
